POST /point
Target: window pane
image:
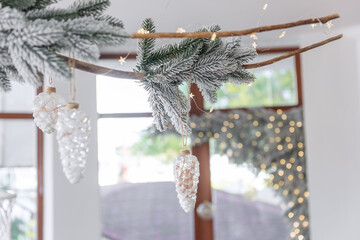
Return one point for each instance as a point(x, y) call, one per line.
point(275, 85)
point(263, 194)
point(120, 95)
point(139, 200)
point(19, 99)
point(23, 182)
point(17, 143)
point(246, 207)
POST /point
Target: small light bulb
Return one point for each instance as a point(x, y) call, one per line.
point(254, 45)
point(213, 37)
point(314, 25)
point(142, 31)
point(282, 34)
point(253, 36)
point(180, 30)
point(265, 6)
point(329, 24)
point(122, 60)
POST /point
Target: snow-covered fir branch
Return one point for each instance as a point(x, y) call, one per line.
point(207, 63)
point(32, 33)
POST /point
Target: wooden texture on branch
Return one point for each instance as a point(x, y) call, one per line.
point(293, 53)
point(237, 33)
point(87, 67)
point(91, 68)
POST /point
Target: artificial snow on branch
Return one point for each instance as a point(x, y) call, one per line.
point(209, 63)
point(32, 34)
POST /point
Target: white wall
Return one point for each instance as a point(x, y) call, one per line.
point(72, 212)
point(331, 102)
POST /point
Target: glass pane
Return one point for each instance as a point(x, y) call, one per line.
point(275, 85)
point(258, 173)
point(23, 182)
point(139, 200)
point(246, 206)
point(17, 134)
point(19, 99)
point(120, 95)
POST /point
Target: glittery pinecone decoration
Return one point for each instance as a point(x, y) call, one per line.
point(73, 135)
point(186, 172)
point(46, 108)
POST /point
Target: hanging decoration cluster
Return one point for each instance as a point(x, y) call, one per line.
point(269, 141)
point(208, 62)
point(33, 32)
point(52, 114)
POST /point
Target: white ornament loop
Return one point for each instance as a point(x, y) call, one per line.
point(45, 109)
point(186, 172)
point(73, 136)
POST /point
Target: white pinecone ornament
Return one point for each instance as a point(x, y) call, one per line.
point(73, 135)
point(46, 108)
point(186, 172)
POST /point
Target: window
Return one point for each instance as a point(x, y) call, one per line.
point(21, 161)
point(135, 165)
point(275, 85)
point(135, 175)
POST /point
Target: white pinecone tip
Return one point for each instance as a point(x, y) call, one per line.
point(73, 172)
point(187, 204)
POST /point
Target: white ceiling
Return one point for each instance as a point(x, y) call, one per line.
point(232, 15)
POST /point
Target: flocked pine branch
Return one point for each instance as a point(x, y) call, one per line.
point(205, 62)
point(33, 32)
point(4, 80)
point(77, 9)
point(18, 4)
point(42, 3)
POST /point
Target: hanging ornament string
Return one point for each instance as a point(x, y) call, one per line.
point(184, 137)
point(197, 106)
point(72, 82)
point(51, 88)
point(186, 166)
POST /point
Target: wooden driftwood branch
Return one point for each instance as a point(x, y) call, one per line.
point(91, 68)
point(87, 67)
point(237, 33)
point(293, 53)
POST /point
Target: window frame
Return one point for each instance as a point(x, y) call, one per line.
point(204, 229)
point(39, 166)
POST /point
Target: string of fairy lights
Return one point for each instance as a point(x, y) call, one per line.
point(270, 142)
point(253, 36)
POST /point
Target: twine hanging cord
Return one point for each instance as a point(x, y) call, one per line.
point(72, 90)
point(50, 89)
